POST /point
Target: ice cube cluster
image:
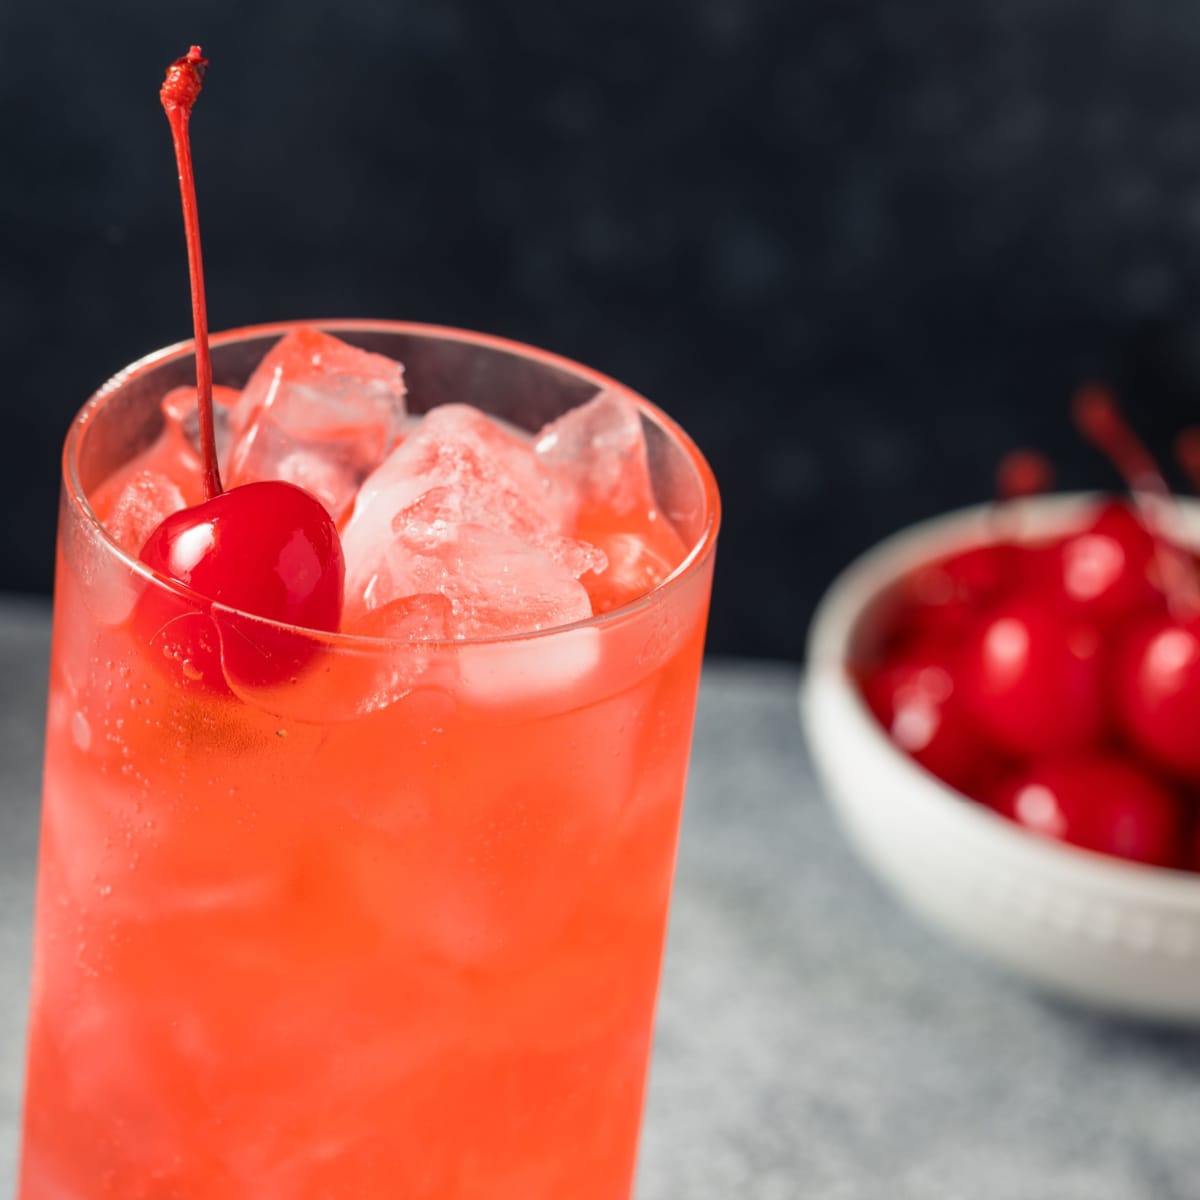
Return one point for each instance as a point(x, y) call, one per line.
point(454, 525)
point(317, 413)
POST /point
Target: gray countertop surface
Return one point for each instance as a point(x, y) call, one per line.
point(813, 1040)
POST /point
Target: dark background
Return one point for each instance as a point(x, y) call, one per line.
point(857, 249)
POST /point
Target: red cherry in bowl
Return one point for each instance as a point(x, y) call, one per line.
point(944, 599)
point(1155, 688)
point(269, 549)
point(1032, 679)
point(913, 697)
point(1108, 571)
point(1102, 802)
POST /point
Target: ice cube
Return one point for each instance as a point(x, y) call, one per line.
point(441, 506)
point(602, 447)
point(511, 681)
point(143, 503)
point(458, 467)
point(181, 412)
point(318, 413)
point(424, 617)
point(495, 583)
point(636, 564)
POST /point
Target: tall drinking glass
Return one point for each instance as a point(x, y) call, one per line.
point(389, 928)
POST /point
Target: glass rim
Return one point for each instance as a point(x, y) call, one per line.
point(699, 552)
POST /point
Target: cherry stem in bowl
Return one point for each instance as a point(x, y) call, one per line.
point(178, 94)
point(1021, 474)
point(1187, 454)
point(1099, 420)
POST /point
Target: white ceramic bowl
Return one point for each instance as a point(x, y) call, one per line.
point(1116, 935)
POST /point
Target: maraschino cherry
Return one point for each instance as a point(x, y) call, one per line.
point(1107, 572)
point(1031, 678)
point(913, 696)
point(1156, 692)
point(941, 601)
point(1029, 672)
point(1101, 802)
point(268, 549)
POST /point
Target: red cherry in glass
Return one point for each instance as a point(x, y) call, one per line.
point(1102, 802)
point(268, 549)
point(1155, 689)
point(1032, 679)
point(1108, 571)
point(913, 697)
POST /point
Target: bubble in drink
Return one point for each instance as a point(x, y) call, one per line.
point(317, 413)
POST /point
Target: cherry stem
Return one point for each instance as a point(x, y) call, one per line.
point(178, 94)
point(1187, 454)
point(1099, 420)
point(1021, 473)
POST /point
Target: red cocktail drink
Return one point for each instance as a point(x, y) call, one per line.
point(388, 920)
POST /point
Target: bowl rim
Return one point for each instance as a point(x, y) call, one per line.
point(826, 670)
